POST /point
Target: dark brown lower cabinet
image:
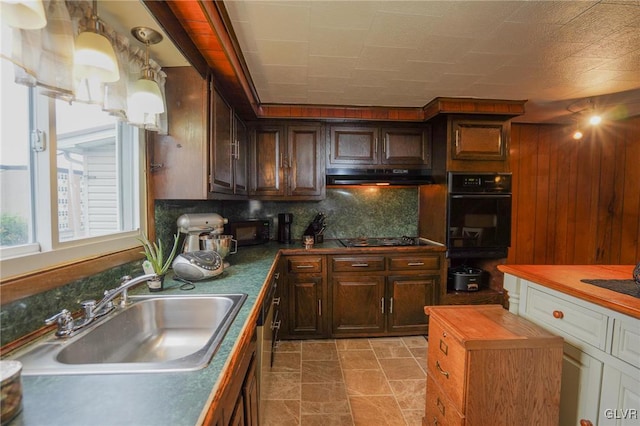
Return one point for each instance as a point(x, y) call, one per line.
point(359, 295)
point(238, 404)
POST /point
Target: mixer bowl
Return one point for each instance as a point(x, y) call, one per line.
point(223, 244)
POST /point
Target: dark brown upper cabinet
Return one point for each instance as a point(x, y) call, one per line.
point(204, 154)
point(287, 162)
point(228, 149)
point(479, 140)
point(366, 146)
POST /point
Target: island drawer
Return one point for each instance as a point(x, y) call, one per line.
point(357, 263)
point(417, 262)
point(569, 319)
point(438, 409)
point(626, 341)
point(446, 363)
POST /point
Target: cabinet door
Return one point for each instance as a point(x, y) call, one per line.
point(406, 146)
point(358, 304)
point(306, 305)
point(620, 403)
point(351, 145)
point(240, 186)
point(580, 391)
point(408, 295)
point(267, 161)
point(221, 146)
point(305, 161)
point(182, 157)
point(478, 140)
point(250, 395)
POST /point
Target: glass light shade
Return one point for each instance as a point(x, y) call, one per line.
point(95, 58)
point(146, 97)
point(25, 14)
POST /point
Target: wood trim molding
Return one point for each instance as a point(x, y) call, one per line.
point(38, 282)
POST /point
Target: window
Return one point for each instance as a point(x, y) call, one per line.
point(71, 180)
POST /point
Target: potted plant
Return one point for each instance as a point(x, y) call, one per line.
point(156, 262)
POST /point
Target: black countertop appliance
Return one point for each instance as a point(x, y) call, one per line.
point(284, 227)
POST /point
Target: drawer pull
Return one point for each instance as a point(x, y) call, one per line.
point(440, 406)
point(276, 301)
point(415, 264)
point(304, 266)
point(435, 420)
point(444, 373)
point(360, 265)
point(558, 314)
point(444, 347)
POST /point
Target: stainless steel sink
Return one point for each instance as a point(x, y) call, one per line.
point(165, 333)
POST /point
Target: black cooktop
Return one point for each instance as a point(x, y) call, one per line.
point(382, 242)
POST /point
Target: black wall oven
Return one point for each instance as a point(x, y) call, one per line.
point(478, 215)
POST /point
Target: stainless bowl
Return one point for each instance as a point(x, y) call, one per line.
point(223, 244)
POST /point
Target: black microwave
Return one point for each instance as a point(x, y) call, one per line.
point(249, 232)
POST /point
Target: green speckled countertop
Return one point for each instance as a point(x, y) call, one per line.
point(178, 398)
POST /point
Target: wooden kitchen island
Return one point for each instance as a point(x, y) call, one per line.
point(601, 328)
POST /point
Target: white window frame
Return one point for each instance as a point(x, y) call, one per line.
point(50, 253)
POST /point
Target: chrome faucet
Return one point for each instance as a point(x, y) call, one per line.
point(93, 310)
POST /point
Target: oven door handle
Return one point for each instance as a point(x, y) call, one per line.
point(484, 196)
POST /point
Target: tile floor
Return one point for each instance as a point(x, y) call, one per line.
point(373, 382)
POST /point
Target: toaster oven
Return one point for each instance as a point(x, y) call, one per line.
point(249, 232)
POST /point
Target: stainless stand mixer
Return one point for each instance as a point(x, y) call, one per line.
point(196, 224)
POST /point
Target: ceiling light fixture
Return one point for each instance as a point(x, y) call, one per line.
point(94, 56)
point(24, 14)
point(595, 119)
point(146, 95)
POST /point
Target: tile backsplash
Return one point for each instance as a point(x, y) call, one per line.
point(351, 212)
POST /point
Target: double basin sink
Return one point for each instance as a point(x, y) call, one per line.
point(153, 334)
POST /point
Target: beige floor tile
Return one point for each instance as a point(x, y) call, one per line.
point(420, 354)
point(280, 413)
point(288, 346)
point(281, 386)
point(415, 341)
point(326, 420)
point(324, 398)
point(410, 394)
point(353, 344)
point(319, 351)
point(413, 417)
point(401, 368)
point(286, 362)
point(366, 382)
point(321, 372)
point(358, 360)
point(392, 351)
point(376, 410)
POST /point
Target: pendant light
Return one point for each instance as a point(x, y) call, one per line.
point(24, 14)
point(94, 56)
point(146, 96)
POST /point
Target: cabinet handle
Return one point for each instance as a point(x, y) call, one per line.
point(319, 307)
point(375, 145)
point(435, 420)
point(391, 306)
point(276, 275)
point(558, 314)
point(304, 266)
point(444, 373)
point(276, 301)
point(359, 265)
point(440, 406)
point(275, 325)
point(457, 140)
point(415, 264)
point(584, 422)
point(382, 305)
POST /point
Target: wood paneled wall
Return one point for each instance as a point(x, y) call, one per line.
point(576, 202)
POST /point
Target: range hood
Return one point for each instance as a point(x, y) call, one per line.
point(380, 177)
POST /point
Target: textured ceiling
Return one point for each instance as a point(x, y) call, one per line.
point(558, 55)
